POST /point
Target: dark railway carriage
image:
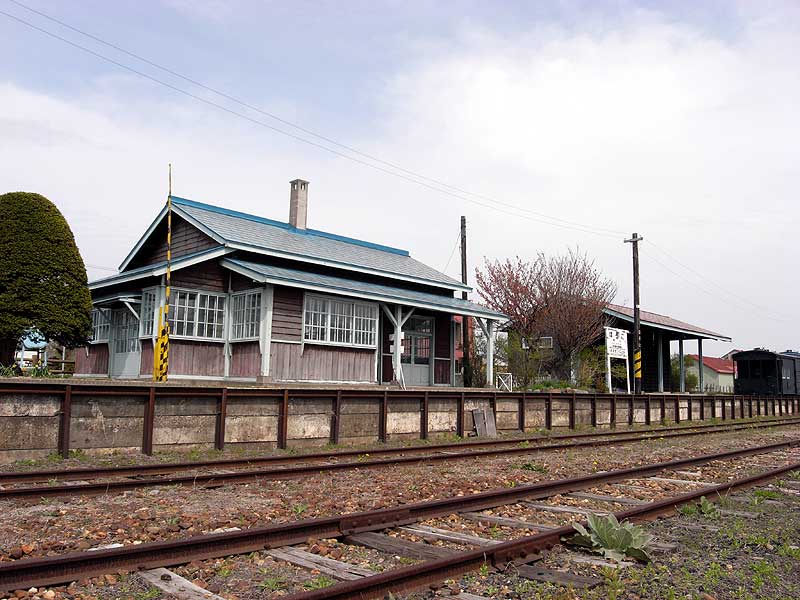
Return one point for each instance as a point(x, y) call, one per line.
point(762, 372)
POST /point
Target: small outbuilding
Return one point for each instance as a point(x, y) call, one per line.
point(657, 332)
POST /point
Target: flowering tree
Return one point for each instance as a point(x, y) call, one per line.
point(562, 297)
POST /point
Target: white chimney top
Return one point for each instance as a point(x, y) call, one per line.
point(298, 203)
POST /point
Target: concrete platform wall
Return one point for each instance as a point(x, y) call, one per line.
point(37, 420)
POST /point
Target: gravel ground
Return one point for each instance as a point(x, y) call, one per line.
point(60, 525)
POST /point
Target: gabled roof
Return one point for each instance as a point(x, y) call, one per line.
point(242, 231)
point(663, 322)
point(159, 268)
point(306, 280)
point(720, 365)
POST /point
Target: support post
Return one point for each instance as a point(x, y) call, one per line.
point(663, 407)
point(64, 422)
point(702, 408)
point(612, 418)
point(572, 411)
point(724, 408)
point(681, 367)
point(335, 417)
point(593, 405)
point(750, 406)
point(149, 423)
point(700, 365)
point(383, 418)
point(489, 353)
point(423, 417)
point(522, 409)
point(548, 411)
point(460, 416)
point(283, 420)
point(630, 410)
point(689, 407)
point(465, 324)
point(660, 362)
point(647, 410)
point(219, 429)
point(677, 408)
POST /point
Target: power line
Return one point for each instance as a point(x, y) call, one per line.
point(412, 177)
point(453, 253)
point(705, 279)
point(101, 268)
point(698, 287)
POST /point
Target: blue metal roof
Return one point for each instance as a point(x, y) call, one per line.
point(362, 289)
point(259, 234)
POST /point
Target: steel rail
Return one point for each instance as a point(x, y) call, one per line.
point(219, 479)
point(84, 473)
point(37, 572)
point(517, 551)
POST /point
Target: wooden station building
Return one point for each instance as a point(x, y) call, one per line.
point(254, 299)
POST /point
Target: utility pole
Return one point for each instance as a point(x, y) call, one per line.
point(465, 328)
point(637, 336)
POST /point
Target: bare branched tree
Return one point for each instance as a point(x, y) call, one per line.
point(558, 296)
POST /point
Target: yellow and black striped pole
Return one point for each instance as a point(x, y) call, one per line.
point(161, 353)
point(637, 336)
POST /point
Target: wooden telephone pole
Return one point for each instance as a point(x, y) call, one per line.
point(465, 325)
point(637, 337)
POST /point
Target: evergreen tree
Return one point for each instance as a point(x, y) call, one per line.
point(43, 282)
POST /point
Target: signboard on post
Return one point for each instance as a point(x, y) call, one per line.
point(616, 347)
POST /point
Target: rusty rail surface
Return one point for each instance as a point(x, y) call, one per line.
point(520, 550)
point(219, 479)
point(84, 473)
point(36, 572)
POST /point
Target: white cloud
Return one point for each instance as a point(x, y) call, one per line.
point(646, 124)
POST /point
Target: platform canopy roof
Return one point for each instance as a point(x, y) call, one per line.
point(657, 321)
point(307, 280)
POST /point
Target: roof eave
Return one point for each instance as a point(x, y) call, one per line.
point(377, 297)
point(695, 334)
point(178, 263)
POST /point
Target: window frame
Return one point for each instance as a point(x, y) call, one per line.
point(374, 317)
point(144, 319)
point(232, 312)
point(105, 325)
point(196, 307)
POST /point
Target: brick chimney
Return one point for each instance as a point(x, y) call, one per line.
point(298, 203)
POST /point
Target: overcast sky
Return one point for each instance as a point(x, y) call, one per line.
point(676, 121)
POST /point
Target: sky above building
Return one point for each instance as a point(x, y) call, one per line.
point(550, 125)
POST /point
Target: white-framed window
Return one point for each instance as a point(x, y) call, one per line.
point(147, 312)
point(340, 322)
point(101, 327)
point(195, 314)
point(246, 315)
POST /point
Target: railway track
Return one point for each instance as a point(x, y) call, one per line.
point(310, 464)
point(37, 572)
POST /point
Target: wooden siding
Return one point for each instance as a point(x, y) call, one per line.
point(245, 359)
point(208, 275)
point(94, 364)
point(240, 283)
point(186, 239)
point(196, 358)
point(146, 367)
point(295, 362)
point(287, 314)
